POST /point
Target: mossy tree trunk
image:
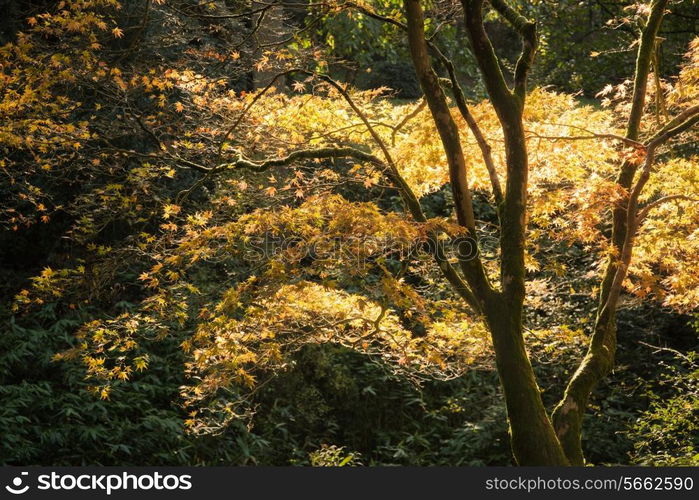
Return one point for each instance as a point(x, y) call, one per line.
point(532, 436)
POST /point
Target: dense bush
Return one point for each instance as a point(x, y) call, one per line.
point(331, 406)
point(667, 434)
point(48, 416)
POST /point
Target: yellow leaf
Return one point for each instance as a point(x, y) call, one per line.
point(169, 210)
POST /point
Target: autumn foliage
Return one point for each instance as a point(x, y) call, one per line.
point(248, 222)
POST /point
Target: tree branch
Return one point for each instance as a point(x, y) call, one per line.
point(303, 154)
point(486, 150)
point(483, 51)
point(410, 200)
point(406, 119)
point(527, 32)
point(681, 123)
point(660, 201)
point(593, 135)
point(458, 96)
point(643, 60)
point(449, 135)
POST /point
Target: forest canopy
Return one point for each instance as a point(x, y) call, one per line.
point(349, 233)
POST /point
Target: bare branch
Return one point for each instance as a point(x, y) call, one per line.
point(458, 95)
point(406, 119)
point(592, 136)
point(483, 51)
point(303, 154)
point(486, 150)
point(661, 201)
point(242, 115)
point(449, 135)
point(681, 123)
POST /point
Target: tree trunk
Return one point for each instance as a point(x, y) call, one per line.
point(599, 360)
point(532, 435)
point(597, 364)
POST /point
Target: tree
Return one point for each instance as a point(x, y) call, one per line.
point(536, 439)
point(274, 247)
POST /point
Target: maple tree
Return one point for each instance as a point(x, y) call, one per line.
point(258, 220)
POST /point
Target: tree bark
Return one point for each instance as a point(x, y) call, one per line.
point(532, 436)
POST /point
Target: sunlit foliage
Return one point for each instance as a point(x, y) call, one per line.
point(254, 261)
